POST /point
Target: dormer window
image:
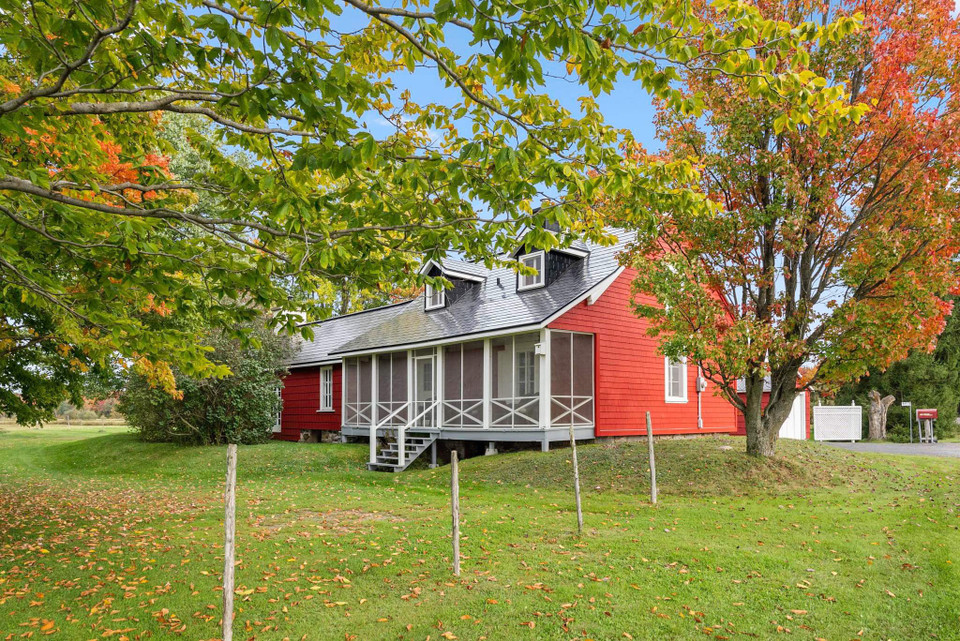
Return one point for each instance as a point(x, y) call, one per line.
point(435, 298)
point(535, 261)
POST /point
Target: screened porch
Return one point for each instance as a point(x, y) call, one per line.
point(511, 387)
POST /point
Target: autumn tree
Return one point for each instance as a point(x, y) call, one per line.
point(346, 172)
point(832, 248)
point(926, 379)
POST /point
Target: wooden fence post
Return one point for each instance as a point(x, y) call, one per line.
point(576, 481)
point(229, 527)
point(455, 509)
point(653, 462)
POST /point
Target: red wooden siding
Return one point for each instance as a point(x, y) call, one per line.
point(630, 372)
point(301, 400)
point(742, 424)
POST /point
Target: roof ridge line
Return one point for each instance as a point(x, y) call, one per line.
point(357, 313)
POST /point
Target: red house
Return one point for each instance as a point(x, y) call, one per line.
point(495, 358)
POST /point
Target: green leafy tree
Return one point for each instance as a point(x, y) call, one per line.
point(240, 407)
point(925, 379)
point(321, 162)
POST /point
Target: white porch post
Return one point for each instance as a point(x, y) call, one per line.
point(544, 378)
point(438, 390)
point(373, 410)
point(410, 368)
point(487, 384)
point(374, 388)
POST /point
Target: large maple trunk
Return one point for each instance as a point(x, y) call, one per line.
point(763, 423)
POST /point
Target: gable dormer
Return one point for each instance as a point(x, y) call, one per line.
point(463, 283)
point(549, 264)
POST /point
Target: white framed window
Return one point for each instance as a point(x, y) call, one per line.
point(435, 297)
point(527, 384)
point(675, 380)
point(326, 389)
point(537, 261)
point(276, 422)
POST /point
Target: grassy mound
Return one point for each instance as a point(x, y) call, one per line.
point(708, 466)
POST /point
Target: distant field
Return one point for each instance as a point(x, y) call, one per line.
point(102, 536)
point(8, 424)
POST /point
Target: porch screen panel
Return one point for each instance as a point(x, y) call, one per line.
point(501, 368)
point(515, 371)
point(391, 388)
point(560, 359)
point(350, 391)
point(583, 394)
point(473, 384)
point(452, 382)
point(365, 389)
point(527, 377)
point(383, 387)
point(571, 378)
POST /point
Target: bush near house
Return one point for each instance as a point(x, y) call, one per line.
point(237, 408)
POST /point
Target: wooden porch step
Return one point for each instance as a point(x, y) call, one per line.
point(415, 443)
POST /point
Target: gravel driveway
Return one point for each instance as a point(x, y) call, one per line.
point(951, 450)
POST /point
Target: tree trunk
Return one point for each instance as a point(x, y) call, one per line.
point(761, 438)
point(877, 416)
point(759, 441)
point(763, 423)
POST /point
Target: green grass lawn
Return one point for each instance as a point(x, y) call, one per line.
point(102, 536)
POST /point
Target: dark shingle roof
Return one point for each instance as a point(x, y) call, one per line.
point(334, 332)
point(491, 306)
point(462, 266)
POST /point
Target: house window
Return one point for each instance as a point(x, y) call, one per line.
point(326, 389)
point(276, 422)
point(675, 380)
point(526, 373)
point(435, 297)
point(536, 261)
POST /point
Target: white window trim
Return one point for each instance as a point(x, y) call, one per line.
point(541, 275)
point(327, 369)
point(428, 294)
point(666, 382)
point(278, 423)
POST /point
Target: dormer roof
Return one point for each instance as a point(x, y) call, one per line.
point(451, 268)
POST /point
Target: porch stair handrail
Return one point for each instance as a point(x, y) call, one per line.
point(403, 428)
point(375, 428)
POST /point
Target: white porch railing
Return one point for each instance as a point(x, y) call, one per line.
point(401, 431)
point(358, 413)
point(378, 426)
point(571, 410)
point(460, 413)
point(389, 409)
point(518, 411)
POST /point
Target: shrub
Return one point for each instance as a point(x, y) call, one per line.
point(238, 408)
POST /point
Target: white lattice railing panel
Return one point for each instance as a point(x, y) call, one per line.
point(837, 422)
point(522, 411)
point(358, 413)
point(389, 409)
point(466, 412)
point(575, 409)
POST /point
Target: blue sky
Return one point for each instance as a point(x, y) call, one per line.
point(629, 106)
